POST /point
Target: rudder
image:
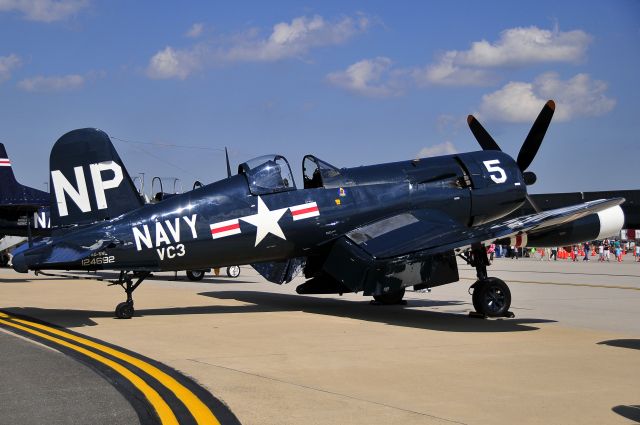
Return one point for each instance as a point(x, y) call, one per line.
point(89, 182)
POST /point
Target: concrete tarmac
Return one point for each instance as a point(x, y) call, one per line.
point(275, 357)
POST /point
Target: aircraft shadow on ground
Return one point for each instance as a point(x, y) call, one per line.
point(631, 412)
point(633, 344)
point(262, 302)
point(396, 315)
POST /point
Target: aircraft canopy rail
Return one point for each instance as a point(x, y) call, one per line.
point(268, 174)
point(318, 173)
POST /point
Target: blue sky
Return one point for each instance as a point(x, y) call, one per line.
point(354, 83)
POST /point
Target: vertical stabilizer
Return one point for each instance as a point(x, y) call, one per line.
point(89, 182)
point(12, 193)
point(6, 172)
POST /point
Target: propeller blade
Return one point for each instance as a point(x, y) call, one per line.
point(533, 141)
point(533, 204)
point(482, 136)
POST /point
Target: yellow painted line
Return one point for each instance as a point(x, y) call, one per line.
point(161, 407)
point(201, 413)
point(587, 285)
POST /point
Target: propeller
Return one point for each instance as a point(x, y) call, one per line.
point(531, 144)
point(482, 136)
point(533, 141)
point(529, 148)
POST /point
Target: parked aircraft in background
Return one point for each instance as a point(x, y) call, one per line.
point(21, 207)
point(375, 229)
point(24, 211)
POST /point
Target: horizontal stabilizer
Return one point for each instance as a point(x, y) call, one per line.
point(63, 254)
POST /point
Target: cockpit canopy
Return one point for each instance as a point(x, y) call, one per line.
point(268, 174)
point(318, 173)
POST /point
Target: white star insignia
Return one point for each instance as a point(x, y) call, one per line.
point(266, 221)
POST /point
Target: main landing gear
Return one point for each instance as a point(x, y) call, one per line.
point(491, 296)
point(390, 298)
point(125, 309)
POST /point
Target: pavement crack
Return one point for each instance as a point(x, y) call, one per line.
point(328, 392)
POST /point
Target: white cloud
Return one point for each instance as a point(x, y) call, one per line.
point(515, 47)
point(286, 40)
point(446, 148)
point(447, 73)
point(580, 96)
point(196, 30)
point(8, 64)
point(172, 63)
point(295, 38)
point(522, 46)
point(369, 77)
point(52, 84)
point(44, 10)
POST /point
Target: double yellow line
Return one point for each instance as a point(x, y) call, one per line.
point(199, 410)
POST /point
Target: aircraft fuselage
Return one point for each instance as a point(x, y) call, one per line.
point(224, 223)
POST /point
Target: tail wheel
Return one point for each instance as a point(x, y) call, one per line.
point(125, 310)
point(233, 271)
point(195, 275)
point(491, 297)
point(390, 298)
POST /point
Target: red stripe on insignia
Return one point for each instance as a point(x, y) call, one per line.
point(225, 228)
point(4, 161)
point(304, 211)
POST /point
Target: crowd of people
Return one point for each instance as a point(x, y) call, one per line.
point(604, 250)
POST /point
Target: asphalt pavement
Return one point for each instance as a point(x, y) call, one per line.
point(571, 354)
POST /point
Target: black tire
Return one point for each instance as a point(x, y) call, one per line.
point(390, 298)
point(477, 290)
point(195, 275)
point(124, 310)
point(233, 271)
point(492, 297)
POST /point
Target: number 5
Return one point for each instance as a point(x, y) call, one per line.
point(491, 166)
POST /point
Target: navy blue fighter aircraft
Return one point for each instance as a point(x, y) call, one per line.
point(374, 229)
point(23, 209)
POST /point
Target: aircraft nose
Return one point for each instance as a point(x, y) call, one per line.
point(19, 263)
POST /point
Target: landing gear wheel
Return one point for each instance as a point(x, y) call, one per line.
point(195, 275)
point(125, 310)
point(233, 271)
point(390, 298)
point(491, 297)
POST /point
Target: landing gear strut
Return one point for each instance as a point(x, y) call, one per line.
point(125, 309)
point(491, 296)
